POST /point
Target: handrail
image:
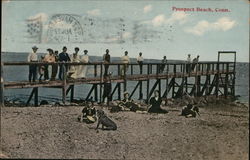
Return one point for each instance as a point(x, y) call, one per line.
point(100, 63)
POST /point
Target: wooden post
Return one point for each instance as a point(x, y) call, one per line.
point(159, 87)
point(30, 97)
point(94, 85)
point(64, 84)
point(173, 89)
point(36, 96)
point(2, 87)
point(72, 93)
point(148, 84)
point(101, 81)
point(140, 90)
point(217, 80)
point(132, 93)
point(124, 78)
point(119, 91)
point(132, 71)
point(226, 81)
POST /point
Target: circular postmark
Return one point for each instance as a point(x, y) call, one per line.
point(64, 28)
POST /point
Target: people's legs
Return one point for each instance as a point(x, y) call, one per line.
point(60, 72)
point(30, 72)
point(140, 68)
point(34, 73)
point(53, 73)
point(106, 67)
point(46, 72)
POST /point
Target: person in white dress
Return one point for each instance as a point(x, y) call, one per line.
point(74, 69)
point(83, 68)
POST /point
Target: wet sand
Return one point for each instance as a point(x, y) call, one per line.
point(220, 133)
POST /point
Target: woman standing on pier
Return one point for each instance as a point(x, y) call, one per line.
point(49, 58)
point(74, 69)
point(83, 68)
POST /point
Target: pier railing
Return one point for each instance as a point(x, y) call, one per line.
point(121, 73)
point(97, 68)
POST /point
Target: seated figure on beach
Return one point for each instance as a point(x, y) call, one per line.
point(155, 103)
point(126, 104)
point(88, 114)
point(190, 111)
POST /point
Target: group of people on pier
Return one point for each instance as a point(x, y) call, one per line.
point(73, 71)
point(80, 71)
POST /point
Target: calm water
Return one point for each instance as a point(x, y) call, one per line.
point(14, 73)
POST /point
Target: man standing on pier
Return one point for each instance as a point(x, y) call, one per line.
point(106, 60)
point(32, 57)
point(140, 61)
point(125, 59)
point(195, 61)
point(163, 63)
point(63, 57)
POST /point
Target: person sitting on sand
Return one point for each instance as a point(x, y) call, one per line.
point(88, 114)
point(127, 104)
point(155, 103)
point(190, 111)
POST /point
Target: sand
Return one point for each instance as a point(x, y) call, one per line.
point(220, 133)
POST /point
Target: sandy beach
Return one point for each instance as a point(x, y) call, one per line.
point(221, 132)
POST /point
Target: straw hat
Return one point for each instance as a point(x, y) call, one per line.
point(91, 118)
point(34, 47)
point(126, 92)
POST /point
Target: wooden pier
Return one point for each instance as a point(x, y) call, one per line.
point(218, 79)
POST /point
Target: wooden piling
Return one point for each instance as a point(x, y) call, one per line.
point(2, 87)
point(64, 84)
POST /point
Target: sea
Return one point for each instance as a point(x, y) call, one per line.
point(20, 73)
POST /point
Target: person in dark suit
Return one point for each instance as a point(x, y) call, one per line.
point(155, 103)
point(63, 57)
point(106, 60)
point(107, 89)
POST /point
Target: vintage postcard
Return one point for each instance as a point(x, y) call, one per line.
point(125, 79)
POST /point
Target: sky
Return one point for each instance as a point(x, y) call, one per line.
point(155, 28)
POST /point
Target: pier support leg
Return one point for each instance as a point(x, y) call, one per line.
point(36, 96)
point(64, 88)
point(140, 91)
point(159, 87)
point(95, 92)
point(173, 88)
point(64, 95)
point(198, 85)
point(2, 87)
point(147, 91)
point(119, 91)
point(72, 93)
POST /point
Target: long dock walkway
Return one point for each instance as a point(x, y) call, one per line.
point(219, 79)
